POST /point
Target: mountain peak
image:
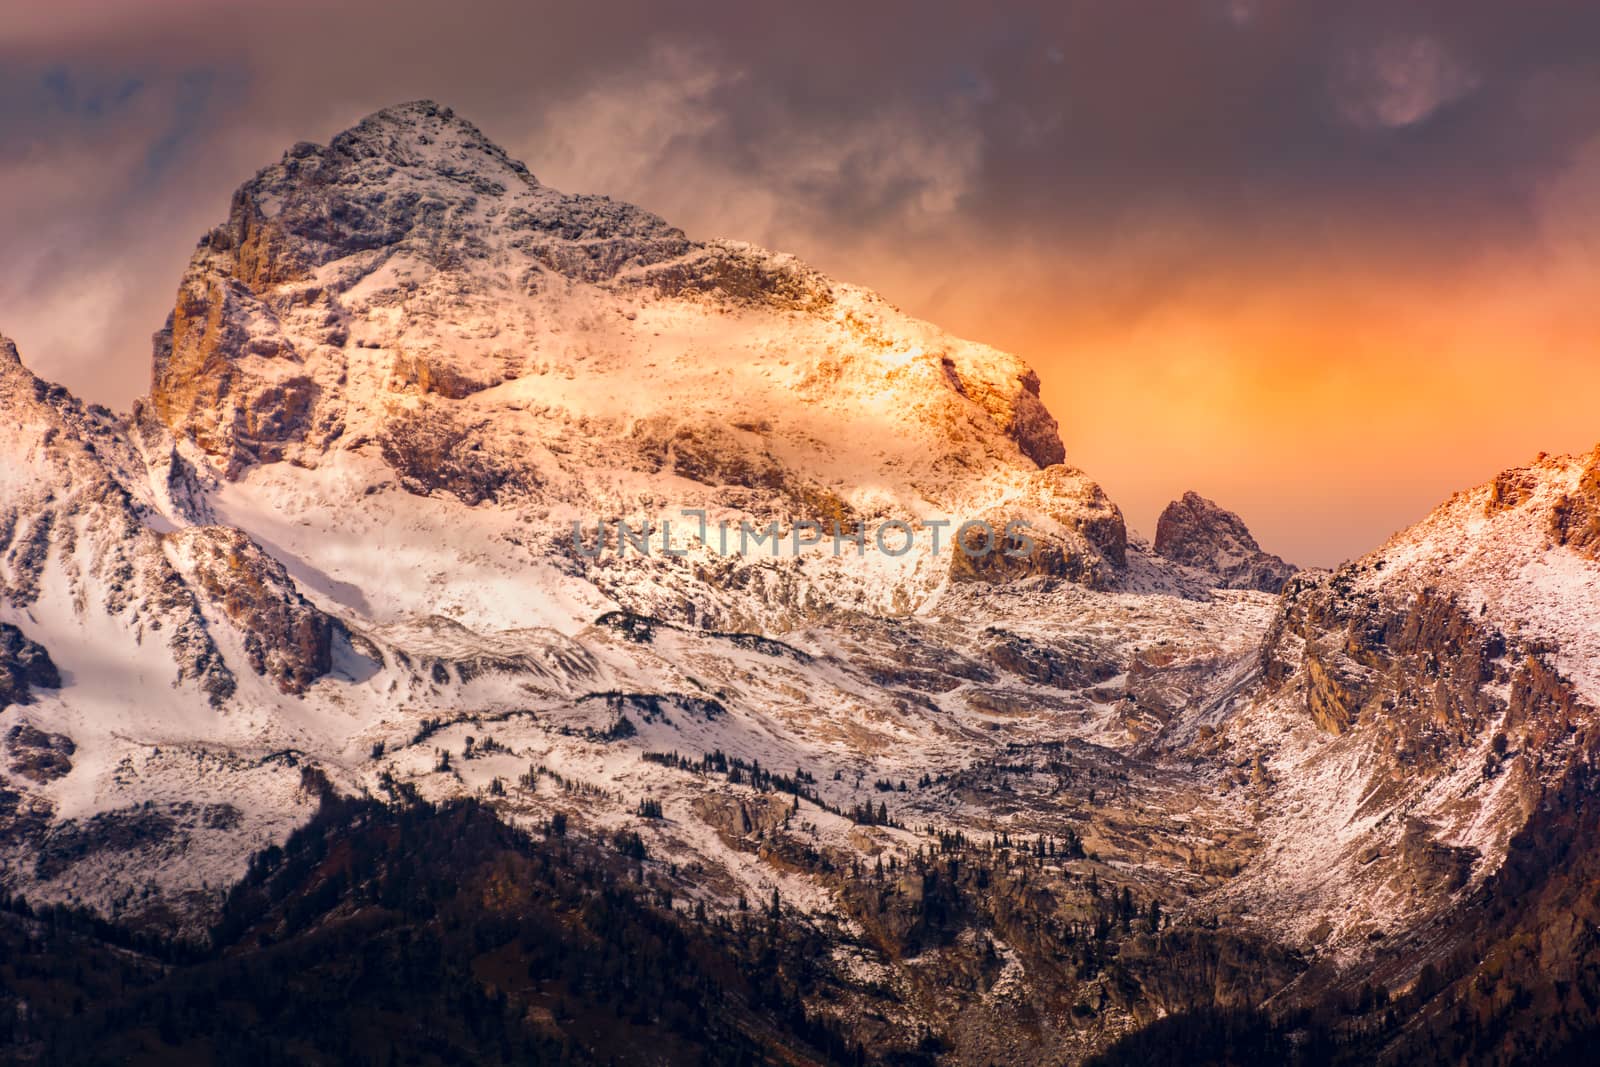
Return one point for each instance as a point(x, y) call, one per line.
point(418, 111)
point(408, 302)
point(409, 288)
point(424, 133)
point(12, 370)
point(1199, 533)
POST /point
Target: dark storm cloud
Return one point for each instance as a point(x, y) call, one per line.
point(1086, 117)
point(1057, 121)
point(1267, 117)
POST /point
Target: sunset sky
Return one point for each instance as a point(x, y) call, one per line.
point(1323, 262)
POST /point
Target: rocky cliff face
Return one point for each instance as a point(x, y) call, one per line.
point(1575, 516)
point(73, 538)
point(1197, 533)
point(285, 638)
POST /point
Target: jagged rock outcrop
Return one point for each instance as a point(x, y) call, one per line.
point(24, 665)
point(1197, 533)
point(36, 755)
point(285, 638)
point(1066, 528)
point(1575, 517)
point(1415, 668)
point(1016, 408)
point(1044, 664)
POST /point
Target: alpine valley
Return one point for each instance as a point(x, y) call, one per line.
point(324, 740)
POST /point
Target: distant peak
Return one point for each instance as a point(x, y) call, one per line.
point(1198, 532)
point(422, 116)
point(12, 369)
point(1207, 512)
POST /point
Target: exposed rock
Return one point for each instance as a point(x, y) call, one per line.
point(38, 756)
point(1197, 533)
point(1017, 409)
point(1326, 700)
point(1511, 488)
point(1071, 530)
point(1425, 866)
point(436, 452)
point(1045, 665)
point(735, 818)
point(729, 271)
point(285, 637)
point(710, 455)
point(1575, 519)
point(24, 665)
point(1421, 662)
point(224, 370)
point(1065, 555)
point(24, 817)
point(433, 373)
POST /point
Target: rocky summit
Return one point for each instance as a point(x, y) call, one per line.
point(1197, 533)
point(328, 675)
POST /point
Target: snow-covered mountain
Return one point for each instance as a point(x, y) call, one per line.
point(408, 312)
point(335, 548)
point(1438, 691)
point(343, 520)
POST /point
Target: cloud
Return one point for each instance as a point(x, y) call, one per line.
point(691, 134)
point(92, 163)
point(1401, 82)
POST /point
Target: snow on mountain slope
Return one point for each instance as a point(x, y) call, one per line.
point(407, 308)
point(1416, 704)
point(84, 577)
point(391, 384)
point(1523, 550)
